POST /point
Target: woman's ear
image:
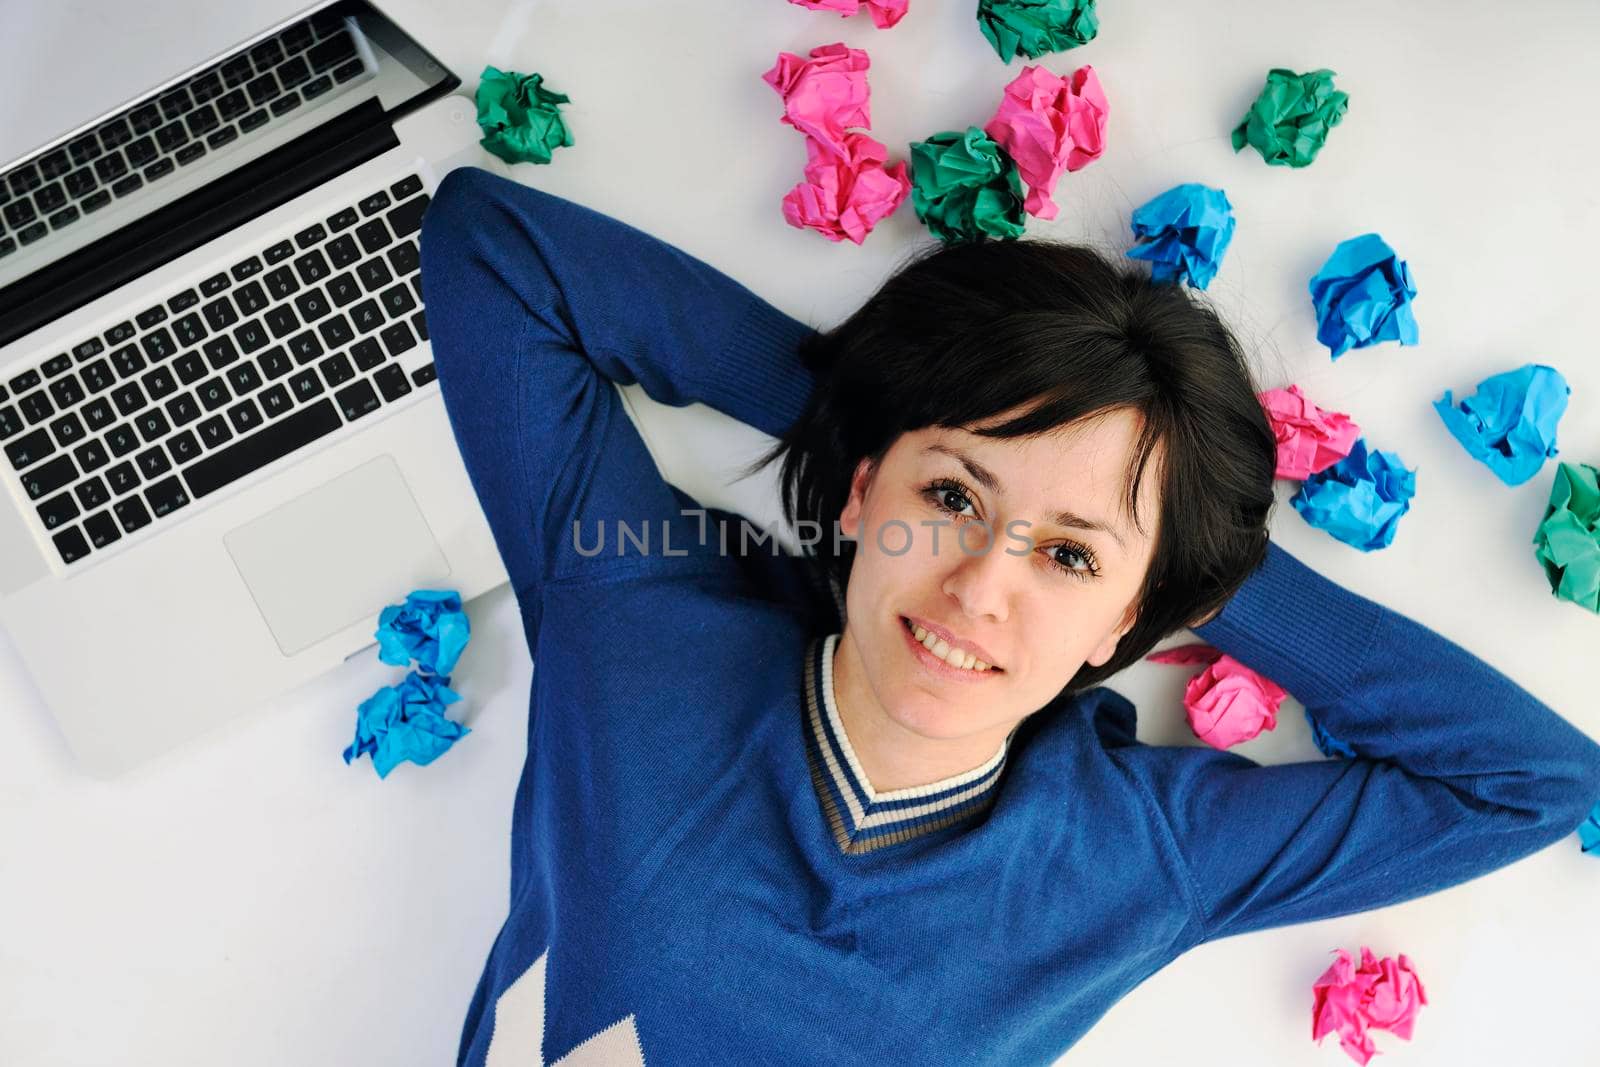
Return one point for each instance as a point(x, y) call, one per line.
point(850, 516)
point(1108, 647)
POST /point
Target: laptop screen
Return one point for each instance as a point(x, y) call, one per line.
point(344, 64)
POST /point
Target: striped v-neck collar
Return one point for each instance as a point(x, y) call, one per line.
point(860, 819)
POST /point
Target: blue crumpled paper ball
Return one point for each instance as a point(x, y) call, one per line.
point(1589, 831)
point(429, 627)
point(1509, 424)
point(1185, 231)
point(1363, 295)
point(1326, 743)
point(1359, 499)
point(406, 722)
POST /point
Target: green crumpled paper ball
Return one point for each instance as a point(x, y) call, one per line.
point(1289, 122)
point(1568, 540)
point(519, 117)
point(965, 187)
point(1033, 27)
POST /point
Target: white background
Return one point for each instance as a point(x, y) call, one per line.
point(252, 900)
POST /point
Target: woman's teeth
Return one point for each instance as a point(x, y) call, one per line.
point(937, 645)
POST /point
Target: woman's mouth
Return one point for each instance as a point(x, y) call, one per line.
point(937, 664)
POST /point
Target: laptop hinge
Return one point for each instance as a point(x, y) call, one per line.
point(190, 221)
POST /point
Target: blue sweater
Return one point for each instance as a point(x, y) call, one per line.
point(700, 872)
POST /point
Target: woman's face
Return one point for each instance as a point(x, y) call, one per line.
point(1036, 590)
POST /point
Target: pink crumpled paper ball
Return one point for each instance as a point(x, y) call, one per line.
point(1379, 995)
point(846, 196)
point(885, 13)
point(1050, 124)
point(1310, 439)
point(825, 95)
point(1227, 702)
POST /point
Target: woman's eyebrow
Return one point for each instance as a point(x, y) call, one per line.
point(985, 477)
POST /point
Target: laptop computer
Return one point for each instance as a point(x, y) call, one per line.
point(224, 450)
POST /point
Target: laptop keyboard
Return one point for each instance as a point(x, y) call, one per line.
point(154, 137)
point(219, 380)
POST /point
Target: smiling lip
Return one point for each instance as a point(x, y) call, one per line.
point(951, 640)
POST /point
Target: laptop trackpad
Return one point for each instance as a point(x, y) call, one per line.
point(336, 554)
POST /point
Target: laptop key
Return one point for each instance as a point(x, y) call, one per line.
point(214, 284)
point(122, 478)
point(275, 362)
point(122, 440)
point(153, 462)
point(68, 430)
point(145, 117)
point(56, 365)
point(343, 220)
point(128, 398)
point(220, 351)
point(98, 414)
point(336, 370)
point(50, 197)
point(140, 151)
point(244, 379)
point(183, 409)
point(248, 268)
point(397, 298)
point(24, 381)
point(220, 313)
point(343, 288)
point(170, 136)
point(367, 316)
point(312, 267)
point(245, 416)
point(236, 71)
point(275, 401)
point(55, 164)
point(127, 360)
point(30, 449)
point(367, 354)
point(65, 217)
point(373, 235)
point(92, 493)
point(189, 330)
point(254, 120)
point(306, 384)
point(114, 133)
point(95, 201)
point(404, 257)
point(342, 251)
point(10, 422)
point(47, 478)
point(111, 167)
point(374, 274)
point(36, 407)
point(274, 441)
point(285, 104)
point(316, 87)
point(132, 183)
point(213, 393)
point(158, 344)
point(30, 234)
point(214, 432)
point(66, 392)
point(250, 297)
point(25, 179)
point(310, 235)
point(183, 446)
point(58, 511)
point(91, 456)
point(98, 376)
point(398, 338)
point(190, 367)
point(189, 153)
point(277, 254)
point(423, 375)
point(80, 182)
point(391, 382)
point(183, 301)
point(357, 400)
point(71, 545)
point(407, 218)
point(202, 120)
point(231, 105)
point(152, 425)
point(218, 138)
point(406, 186)
point(205, 87)
point(131, 513)
point(101, 528)
point(166, 496)
point(160, 383)
point(150, 316)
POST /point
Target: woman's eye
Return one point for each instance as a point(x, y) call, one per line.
point(947, 494)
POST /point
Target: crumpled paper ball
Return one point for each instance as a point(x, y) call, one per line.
point(1049, 124)
point(406, 722)
point(1589, 831)
point(1509, 424)
point(825, 95)
point(1350, 1001)
point(845, 197)
point(1310, 439)
point(1184, 233)
point(1363, 295)
point(1568, 538)
point(519, 117)
point(1227, 702)
point(429, 627)
point(885, 13)
point(1033, 27)
point(1289, 121)
point(1326, 743)
point(964, 187)
point(1359, 499)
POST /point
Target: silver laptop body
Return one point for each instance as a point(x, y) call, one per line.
point(224, 450)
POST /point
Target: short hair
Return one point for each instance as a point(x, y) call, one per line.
point(963, 331)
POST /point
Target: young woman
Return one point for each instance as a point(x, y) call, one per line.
point(872, 804)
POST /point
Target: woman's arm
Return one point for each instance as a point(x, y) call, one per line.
point(1459, 770)
point(535, 305)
